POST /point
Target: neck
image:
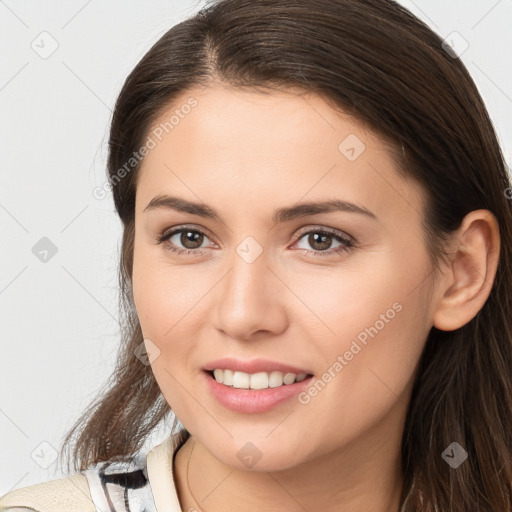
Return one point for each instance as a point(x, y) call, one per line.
point(364, 476)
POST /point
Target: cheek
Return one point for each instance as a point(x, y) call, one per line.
point(170, 301)
point(362, 299)
point(370, 372)
point(164, 299)
point(162, 293)
point(370, 338)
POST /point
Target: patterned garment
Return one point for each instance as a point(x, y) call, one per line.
point(122, 487)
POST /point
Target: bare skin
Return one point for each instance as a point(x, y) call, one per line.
point(246, 154)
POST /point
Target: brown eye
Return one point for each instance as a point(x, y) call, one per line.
point(191, 239)
point(320, 242)
point(182, 240)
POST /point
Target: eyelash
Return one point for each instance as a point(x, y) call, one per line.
point(347, 243)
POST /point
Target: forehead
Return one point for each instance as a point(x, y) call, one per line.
point(242, 148)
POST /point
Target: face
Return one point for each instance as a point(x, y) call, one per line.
point(338, 293)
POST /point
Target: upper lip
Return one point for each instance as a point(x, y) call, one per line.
point(253, 366)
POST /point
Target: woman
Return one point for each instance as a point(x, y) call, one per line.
point(316, 273)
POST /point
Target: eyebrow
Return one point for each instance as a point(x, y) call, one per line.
point(281, 215)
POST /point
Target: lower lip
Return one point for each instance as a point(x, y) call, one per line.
point(254, 400)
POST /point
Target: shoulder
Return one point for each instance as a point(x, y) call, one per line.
point(71, 492)
point(115, 486)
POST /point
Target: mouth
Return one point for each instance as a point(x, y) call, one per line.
point(256, 381)
point(257, 393)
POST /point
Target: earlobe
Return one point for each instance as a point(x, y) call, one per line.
point(470, 276)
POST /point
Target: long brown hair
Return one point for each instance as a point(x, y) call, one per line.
point(375, 60)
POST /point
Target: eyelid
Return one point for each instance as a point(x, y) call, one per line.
point(331, 231)
point(305, 229)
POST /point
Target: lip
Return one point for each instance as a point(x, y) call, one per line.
point(253, 366)
point(255, 400)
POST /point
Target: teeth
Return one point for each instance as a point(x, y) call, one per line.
point(261, 380)
point(220, 376)
point(226, 377)
point(256, 380)
point(241, 380)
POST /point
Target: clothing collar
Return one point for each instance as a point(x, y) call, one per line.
point(160, 473)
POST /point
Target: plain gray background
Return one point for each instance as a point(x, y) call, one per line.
point(59, 328)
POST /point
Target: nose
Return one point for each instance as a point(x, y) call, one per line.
point(250, 298)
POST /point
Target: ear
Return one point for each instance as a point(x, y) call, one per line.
point(471, 272)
